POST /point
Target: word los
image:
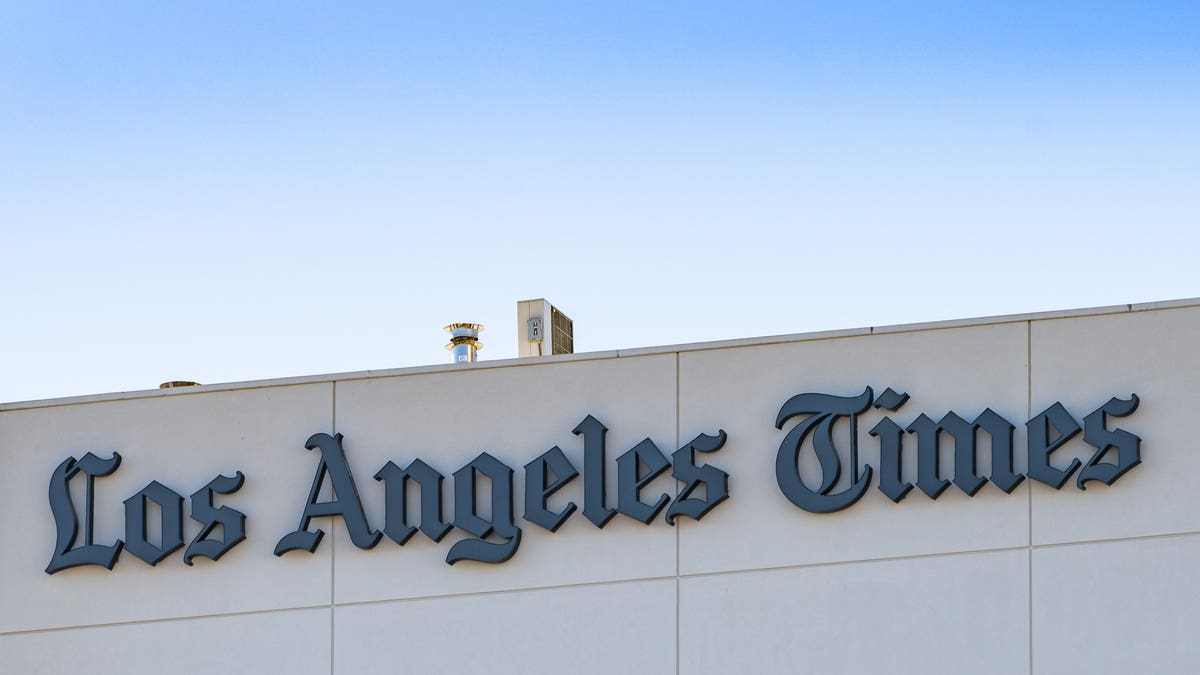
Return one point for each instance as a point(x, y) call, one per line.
point(66, 555)
point(544, 476)
point(1047, 431)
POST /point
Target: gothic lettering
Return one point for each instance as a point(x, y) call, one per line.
point(66, 521)
point(714, 481)
point(467, 518)
point(231, 521)
point(823, 411)
point(345, 503)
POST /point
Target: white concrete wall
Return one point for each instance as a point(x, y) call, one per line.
point(1039, 580)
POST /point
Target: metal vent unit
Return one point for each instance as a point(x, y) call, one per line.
point(464, 341)
point(543, 330)
point(562, 333)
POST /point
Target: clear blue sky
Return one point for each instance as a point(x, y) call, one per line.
point(219, 192)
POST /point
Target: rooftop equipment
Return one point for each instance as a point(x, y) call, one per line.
point(542, 330)
point(464, 341)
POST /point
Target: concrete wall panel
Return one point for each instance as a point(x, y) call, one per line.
point(1117, 607)
point(293, 642)
point(604, 628)
point(945, 614)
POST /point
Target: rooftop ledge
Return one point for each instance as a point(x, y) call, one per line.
point(611, 354)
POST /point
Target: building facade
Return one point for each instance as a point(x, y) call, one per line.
point(827, 512)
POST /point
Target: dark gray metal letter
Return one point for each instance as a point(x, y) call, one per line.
point(232, 521)
point(1055, 418)
point(594, 508)
point(1000, 431)
point(1129, 453)
point(630, 480)
point(891, 459)
point(538, 488)
point(714, 480)
point(395, 485)
point(67, 523)
point(891, 447)
point(929, 479)
point(345, 502)
point(500, 476)
point(170, 504)
point(823, 411)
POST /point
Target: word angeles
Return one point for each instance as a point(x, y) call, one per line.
point(495, 537)
point(543, 477)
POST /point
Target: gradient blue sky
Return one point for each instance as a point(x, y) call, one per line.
point(218, 192)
